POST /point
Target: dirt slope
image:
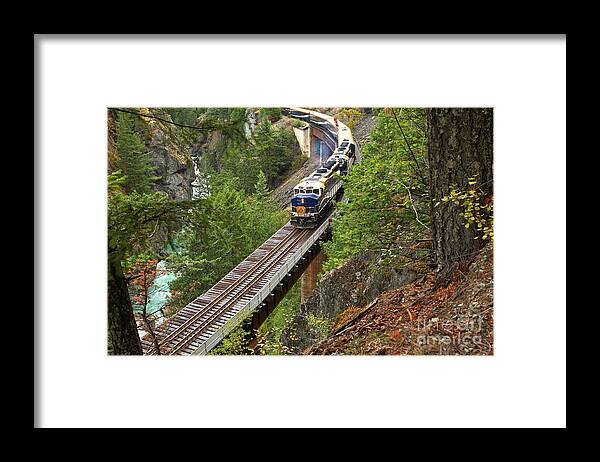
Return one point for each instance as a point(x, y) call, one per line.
point(417, 320)
point(284, 192)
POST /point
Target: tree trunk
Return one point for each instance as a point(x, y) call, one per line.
point(460, 146)
point(122, 330)
point(152, 334)
point(145, 314)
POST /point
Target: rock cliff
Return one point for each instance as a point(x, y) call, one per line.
point(354, 284)
point(170, 153)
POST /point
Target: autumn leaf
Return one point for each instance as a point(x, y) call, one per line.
point(396, 335)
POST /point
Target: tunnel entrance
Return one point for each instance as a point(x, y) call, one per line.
point(320, 150)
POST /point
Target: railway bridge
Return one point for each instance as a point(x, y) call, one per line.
point(256, 285)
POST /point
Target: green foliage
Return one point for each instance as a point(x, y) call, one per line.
point(318, 326)
point(236, 342)
point(139, 258)
point(134, 218)
point(271, 331)
point(350, 116)
point(272, 150)
point(261, 188)
point(225, 113)
point(276, 149)
point(228, 121)
point(280, 324)
point(226, 135)
point(297, 123)
point(116, 182)
point(224, 231)
point(271, 113)
point(133, 161)
point(185, 115)
point(387, 197)
point(477, 209)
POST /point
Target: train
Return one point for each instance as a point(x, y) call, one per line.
point(314, 196)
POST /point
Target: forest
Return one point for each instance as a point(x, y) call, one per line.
point(193, 191)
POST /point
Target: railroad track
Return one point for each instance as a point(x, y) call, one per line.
point(196, 322)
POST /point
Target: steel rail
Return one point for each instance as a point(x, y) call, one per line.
point(169, 337)
point(255, 277)
point(192, 319)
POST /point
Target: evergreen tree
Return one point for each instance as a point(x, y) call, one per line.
point(133, 160)
point(261, 188)
point(274, 151)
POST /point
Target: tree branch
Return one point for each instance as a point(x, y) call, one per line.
point(409, 148)
point(413, 205)
point(155, 228)
point(207, 127)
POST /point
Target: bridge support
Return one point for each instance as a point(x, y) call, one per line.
point(265, 309)
point(309, 277)
point(303, 137)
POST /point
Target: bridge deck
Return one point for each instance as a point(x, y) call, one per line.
point(204, 322)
